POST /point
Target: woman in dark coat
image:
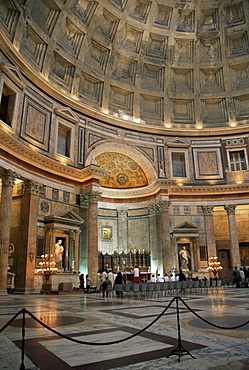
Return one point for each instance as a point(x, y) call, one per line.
point(119, 280)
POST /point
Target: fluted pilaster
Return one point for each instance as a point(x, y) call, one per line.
point(210, 232)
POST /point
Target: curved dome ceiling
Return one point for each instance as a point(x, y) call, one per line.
point(123, 173)
point(166, 64)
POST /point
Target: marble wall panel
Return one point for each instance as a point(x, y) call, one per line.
point(36, 121)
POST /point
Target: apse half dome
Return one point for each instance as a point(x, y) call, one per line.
point(124, 172)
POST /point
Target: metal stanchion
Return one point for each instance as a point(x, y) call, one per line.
point(179, 350)
point(22, 366)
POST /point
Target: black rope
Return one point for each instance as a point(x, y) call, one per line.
point(10, 321)
point(210, 323)
point(106, 343)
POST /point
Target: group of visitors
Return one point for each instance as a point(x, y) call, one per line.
point(108, 278)
point(241, 277)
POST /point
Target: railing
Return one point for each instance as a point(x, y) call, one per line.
point(178, 351)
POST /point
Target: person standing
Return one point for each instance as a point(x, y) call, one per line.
point(242, 276)
point(136, 274)
point(166, 278)
point(110, 276)
point(160, 279)
point(182, 276)
point(82, 281)
point(88, 283)
point(104, 287)
point(99, 280)
point(104, 275)
point(236, 277)
point(119, 281)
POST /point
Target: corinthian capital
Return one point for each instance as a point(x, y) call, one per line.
point(31, 187)
point(163, 206)
point(152, 209)
point(230, 208)
point(94, 196)
point(8, 177)
point(208, 210)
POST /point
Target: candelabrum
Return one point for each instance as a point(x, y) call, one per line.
point(214, 265)
point(47, 268)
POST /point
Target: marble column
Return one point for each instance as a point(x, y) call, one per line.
point(122, 230)
point(28, 234)
point(153, 241)
point(83, 240)
point(167, 253)
point(76, 251)
point(234, 244)
point(93, 198)
point(8, 178)
point(210, 234)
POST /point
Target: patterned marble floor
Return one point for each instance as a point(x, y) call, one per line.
point(91, 318)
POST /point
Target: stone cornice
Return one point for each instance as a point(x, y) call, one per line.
point(168, 187)
point(13, 147)
point(212, 189)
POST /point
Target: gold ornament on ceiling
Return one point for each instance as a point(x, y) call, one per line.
point(124, 172)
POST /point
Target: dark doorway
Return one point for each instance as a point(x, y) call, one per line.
point(224, 259)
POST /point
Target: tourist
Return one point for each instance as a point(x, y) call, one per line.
point(104, 287)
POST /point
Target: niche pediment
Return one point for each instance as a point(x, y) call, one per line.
point(177, 143)
point(64, 219)
point(186, 228)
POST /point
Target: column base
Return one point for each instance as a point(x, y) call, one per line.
point(3, 292)
point(25, 291)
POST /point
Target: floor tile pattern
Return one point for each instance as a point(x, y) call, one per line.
point(91, 318)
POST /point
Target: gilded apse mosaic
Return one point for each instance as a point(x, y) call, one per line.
point(124, 172)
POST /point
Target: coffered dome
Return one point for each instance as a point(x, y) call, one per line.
point(167, 64)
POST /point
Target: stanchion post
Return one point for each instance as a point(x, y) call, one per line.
point(179, 350)
point(22, 366)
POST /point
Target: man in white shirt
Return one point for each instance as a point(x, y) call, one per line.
point(166, 278)
point(153, 278)
point(172, 277)
point(103, 276)
point(160, 279)
point(110, 276)
point(136, 274)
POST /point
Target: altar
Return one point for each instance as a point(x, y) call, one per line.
point(125, 262)
point(144, 276)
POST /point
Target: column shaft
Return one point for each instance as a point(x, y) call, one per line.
point(93, 235)
point(76, 251)
point(28, 234)
point(167, 253)
point(234, 244)
point(8, 178)
point(210, 232)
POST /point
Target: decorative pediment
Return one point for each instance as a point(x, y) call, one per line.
point(177, 143)
point(67, 114)
point(186, 228)
point(13, 74)
point(64, 219)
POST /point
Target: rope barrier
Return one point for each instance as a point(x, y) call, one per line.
point(106, 343)
point(210, 323)
point(179, 350)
